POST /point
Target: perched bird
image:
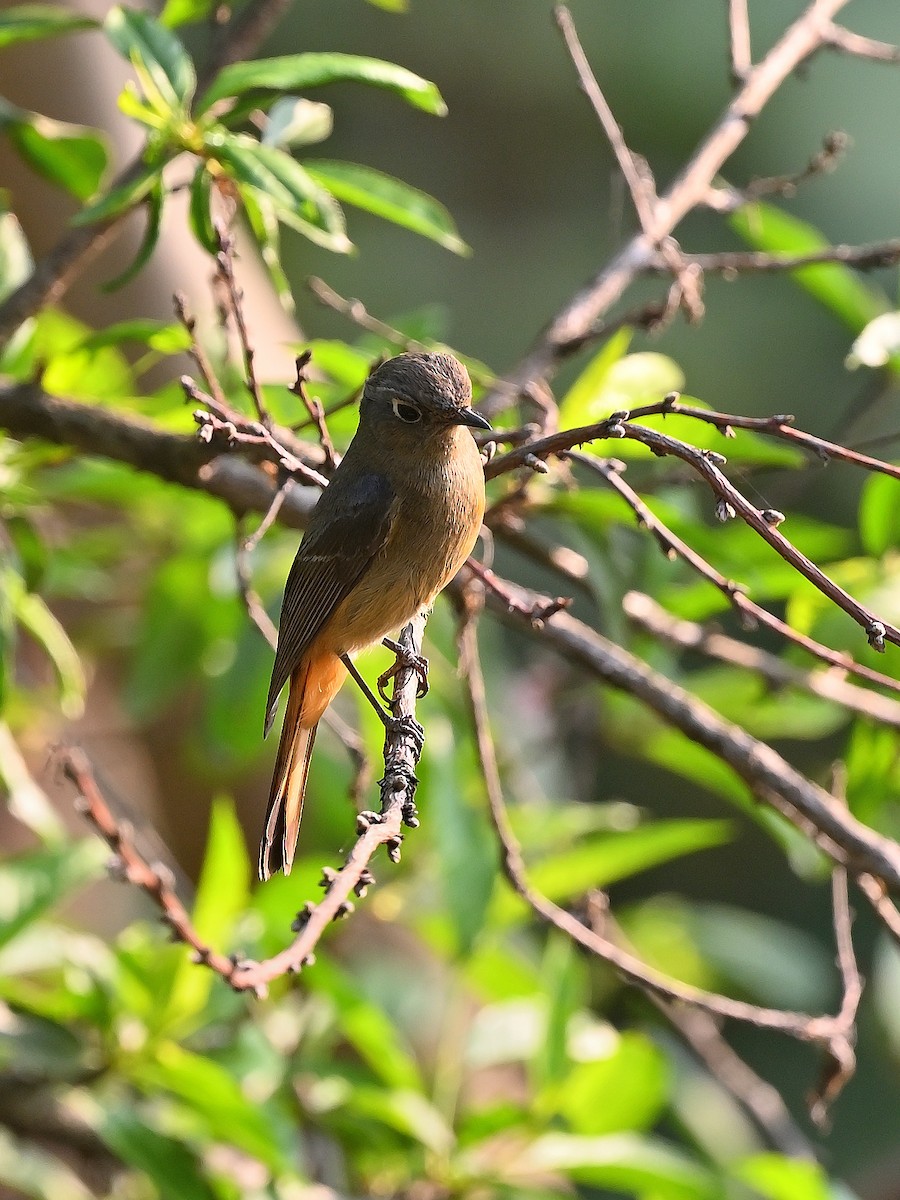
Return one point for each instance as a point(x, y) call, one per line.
point(397, 521)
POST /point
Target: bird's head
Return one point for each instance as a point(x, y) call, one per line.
point(419, 396)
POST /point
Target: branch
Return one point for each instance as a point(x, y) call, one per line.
point(26, 410)
point(751, 613)
point(830, 1033)
point(644, 612)
point(836, 37)
point(739, 40)
point(574, 322)
point(847, 840)
point(866, 257)
point(398, 787)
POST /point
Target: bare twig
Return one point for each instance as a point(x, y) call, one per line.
point(829, 685)
point(635, 170)
point(839, 38)
point(225, 268)
point(831, 1034)
point(701, 1032)
point(866, 257)
point(766, 773)
point(359, 315)
point(315, 410)
point(739, 40)
point(198, 353)
point(751, 613)
point(352, 879)
point(574, 322)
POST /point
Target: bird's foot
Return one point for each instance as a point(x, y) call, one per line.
point(404, 660)
point(407, 726)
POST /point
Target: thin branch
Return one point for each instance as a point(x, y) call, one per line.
point(573, 323)
point(829, 1033)
point(838, 38)
point(357, 312)
point(198, 352)
point(867, 257)
point(884, 907)
point(702, 1034)
point(764, 522)
point(634, 170)
point(225, 269)
point(352, 879)
point(765, 772)
point(315, 410)
point(751, 613)
point(644, 612)
point(26, 410)
point(739, 41)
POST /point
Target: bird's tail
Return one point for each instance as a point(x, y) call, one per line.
point(279, 840)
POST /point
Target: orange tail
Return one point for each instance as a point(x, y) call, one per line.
point(313, 686)
point(279, 840)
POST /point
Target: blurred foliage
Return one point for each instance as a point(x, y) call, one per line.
point(442, 1045)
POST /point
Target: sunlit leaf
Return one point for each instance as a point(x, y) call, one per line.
point(182, 12)
point(624, 1090)
point(778, 1178)
point(32, 883)
point(172, 1167)
point(144, 41)
point(123, 197)
point(31, 22)
point(154, 208)
point(837, 287)
point(389, 198)
point(71, 156)
point(294, 72)
point(15, 256)
point(295, 121)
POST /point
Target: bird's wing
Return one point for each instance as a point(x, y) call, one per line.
point(353, 525)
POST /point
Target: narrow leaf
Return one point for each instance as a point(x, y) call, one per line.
point(154, 205)
point(141, 39)
point(122, 198)
point(71, 156)
point(182, 12)
point(200, 213)
point(834, 285)
point(390, 198)
point(31, 22)
point(294, 72)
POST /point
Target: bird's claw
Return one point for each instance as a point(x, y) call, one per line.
point(404, 660)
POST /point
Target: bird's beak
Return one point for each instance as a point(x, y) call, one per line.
point(468, 416)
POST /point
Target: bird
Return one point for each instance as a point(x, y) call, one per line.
point(399, 517)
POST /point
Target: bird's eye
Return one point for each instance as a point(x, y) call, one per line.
point(406, 412)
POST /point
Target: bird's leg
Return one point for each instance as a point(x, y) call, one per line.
point(394, 724)
point(403, 659)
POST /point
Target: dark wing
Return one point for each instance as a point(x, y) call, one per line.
point(350, 524)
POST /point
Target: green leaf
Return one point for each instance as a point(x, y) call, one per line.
point(626, 382)
point(147, 43)
point(279, 181)
point(592, 378)
point(564, 980)
point(24, 799)
point(31, 22)
point(165, 336)
point(32, 883)
point(28, 1171)
point(125, 196)
point(625, 1090)
point(603, 860)
point(391, 5)
point(389, 198)
point(221, 898)
point(182, 12)
point(34, 616)
point(167, 1162)
point(621, 1162)
point(295, 121)
point(294, 72)
point(215, 1096)
point(778, 1178)
point(154, 205)
point(200, 212)
point(72, 156)
point(835, 286)
point(16, 262)
point(879, 514)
